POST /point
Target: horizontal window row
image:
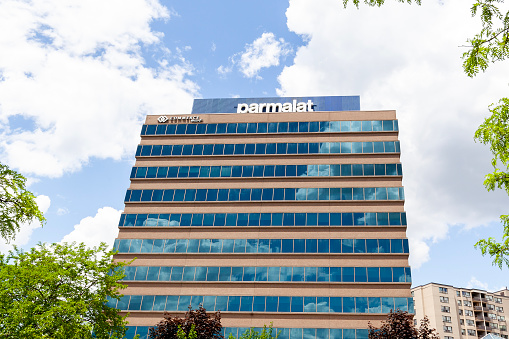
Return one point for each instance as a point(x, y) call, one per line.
point(264, 219)
point(261, 245)
point(266, 171)
point(272, 127)
point(267, 194)
point(172, 303)
point(269, 274)
point(284, 333)
point(272, 148)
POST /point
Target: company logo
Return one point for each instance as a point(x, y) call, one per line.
point(293, 106)
point(185, 119)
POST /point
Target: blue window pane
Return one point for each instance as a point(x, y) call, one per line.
point(172, 303)
point(277, 219)
point(172, 172)
point(311, 245)
point(261, 274)
point(335, 246)
point(233, 303)
point(221, 303)
point(271, 304)
point(360, 246)
point(398, 274)
point(298, 274)
point(385, 274)
point(371, 246)
point(246, 304)
point(254, 219)
point(373, 274)
point(288, 219)
point(299, 246)
point(284, 304)
point(335, 274)
point(300, 219)
point(225, 273)
point(297, 304)
point(240, 246)
point(347, 246)
point(360, 274)
point(165, 274)
point(348, 274)
point(209, 302)
point(310, 273)
point(169, 245)
point(394, 219)
point(396, 246)
point(147, 303)
point(323, 245)
point(382, 219)
point(135, 303)
point(189, 272)
point(405, 245)
point(184, 302)
point(287, 246)
point(258, 304)
point(275, 245)
point(387, 305)
point(242, 219)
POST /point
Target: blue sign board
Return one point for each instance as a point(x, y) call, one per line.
point(231, 105)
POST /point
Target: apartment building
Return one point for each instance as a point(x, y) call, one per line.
point(461, 313)
point(282, 210)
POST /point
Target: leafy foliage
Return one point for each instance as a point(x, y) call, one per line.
point(204, 326)
point(17, 205)
point(59, 292)
point(192, 333)
point(490, 44)
point(399, 325)
point(267, 333)
point(494, 132)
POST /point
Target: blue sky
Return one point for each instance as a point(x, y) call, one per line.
point(77, 79)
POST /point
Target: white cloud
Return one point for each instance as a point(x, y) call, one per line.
point(411, 63)
point(26, 230)
point(103, 227)
point(264, 52)
point(474, 283)
point(75, 71)
point(62, 211)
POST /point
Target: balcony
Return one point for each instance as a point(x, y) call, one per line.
point(479, 299)
point(477, 308)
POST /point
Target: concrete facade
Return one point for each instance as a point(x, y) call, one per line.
point(461, 313)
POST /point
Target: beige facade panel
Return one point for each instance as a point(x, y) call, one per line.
point(303, 232)
point(290, 320)
point(280, 116)
point(271, 289)
point(304, 260)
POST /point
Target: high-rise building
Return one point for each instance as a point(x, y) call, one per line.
point(461, 313)
point(282, 210)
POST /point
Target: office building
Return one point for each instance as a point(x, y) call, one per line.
point(462, 313)
point(282, 210)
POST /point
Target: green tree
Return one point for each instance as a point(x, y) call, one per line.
point(489, 45)
point(400, 325)
point(17, 205)
point(60, 292)
point(196, 324)
point(266, 333)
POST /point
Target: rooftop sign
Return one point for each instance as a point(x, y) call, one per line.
point(276, 104)
point(276, 107)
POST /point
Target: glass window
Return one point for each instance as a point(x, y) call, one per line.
point(225, 273)
point(360, 274)
point(284, 304)
point(297, 304)
point(348, 274)
point(233, 303)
